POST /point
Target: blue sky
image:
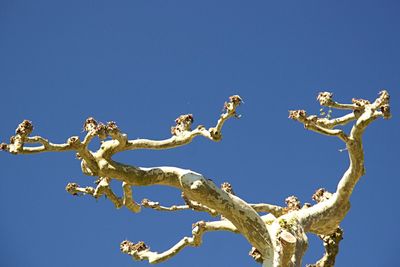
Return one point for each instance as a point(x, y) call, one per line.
point(143, 63)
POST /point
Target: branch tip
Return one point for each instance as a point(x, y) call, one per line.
point(292, 204)
point(360, 102)
point(325, 98)
point(297, 114)
point(183, 124)
point(385, 109)
point(4, 146)
point(131, 248)
point(90, 124)
point(72, 188)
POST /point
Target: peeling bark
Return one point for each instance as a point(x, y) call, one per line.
point(277, 239)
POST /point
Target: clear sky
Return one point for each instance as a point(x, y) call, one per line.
point(143, 63)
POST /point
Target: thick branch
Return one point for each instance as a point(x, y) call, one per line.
point(325, 217)
point(275, 210)
point(259, 207)
point(331, 123)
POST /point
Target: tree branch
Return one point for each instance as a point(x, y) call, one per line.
point(331, 245)
point(141, 251)
point(146, 203)
point(312, 123)
point(326, 99)
point(102, 188)
point(182, 133)
point(324, 217)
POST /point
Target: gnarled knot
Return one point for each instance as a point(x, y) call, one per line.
point(25, 128)
point(297, 114)
point(73, 141)
point(360, 102)
point(183, 124)
point(100, 130)
point(230, 107)
point(131, 248)
point(321, 195)
point(325, 98)
point(90, 124)
point(3, 146)
point(236, 100)
point(72, 188)
point(385, 109)
point(292, 204)
point(112, 127)
point(384, 97)
point(215, 134)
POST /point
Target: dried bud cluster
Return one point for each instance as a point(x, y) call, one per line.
point(321, 195)
point(325, 98)
point(99, 129)
point(297, 114)
point(256, 255)
point(129, 247)
point(72, 188)
point(360, 102)
point(112, 127)
point(292, 204)
point(383, 103)
point(73, 140)
point(384, 97)
point(333, 239)
point(227, 187)
point(183, 124)
point(90, 124)
point(3, 146)
point(24, 128)
point(234, 101)
point(385, 109)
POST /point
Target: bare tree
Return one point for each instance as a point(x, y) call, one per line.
point(277, 239)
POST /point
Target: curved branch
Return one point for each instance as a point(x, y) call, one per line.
point(313, 123)
point(182, 134)
point(326, 99)
point(331, 246)
point(146, 203)
point(141, 251)
point(324, 217)
point(331, 123)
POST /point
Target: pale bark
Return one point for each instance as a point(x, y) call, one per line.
point(278, 239)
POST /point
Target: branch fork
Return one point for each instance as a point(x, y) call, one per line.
point(278, 238)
